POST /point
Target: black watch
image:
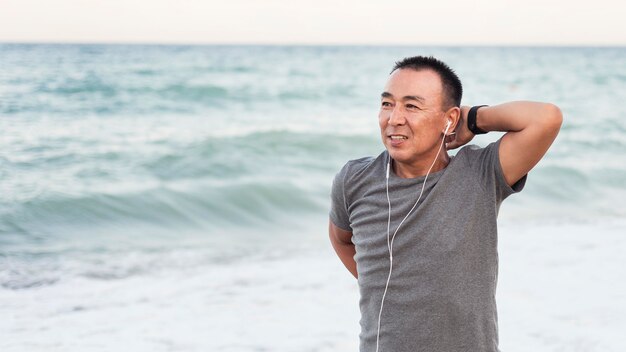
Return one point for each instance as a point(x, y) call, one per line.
point(471, 120)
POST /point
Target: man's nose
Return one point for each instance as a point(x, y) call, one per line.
point(396, 117)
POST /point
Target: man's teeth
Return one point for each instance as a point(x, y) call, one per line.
point(398, 137)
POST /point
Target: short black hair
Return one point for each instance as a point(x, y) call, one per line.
point(452, 87)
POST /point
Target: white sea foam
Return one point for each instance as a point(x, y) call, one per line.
point(561, 288)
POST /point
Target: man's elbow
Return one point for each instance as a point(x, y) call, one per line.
point(552, 118)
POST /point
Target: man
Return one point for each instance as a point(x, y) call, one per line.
point(417, 227)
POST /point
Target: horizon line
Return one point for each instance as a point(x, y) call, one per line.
point(317, 44)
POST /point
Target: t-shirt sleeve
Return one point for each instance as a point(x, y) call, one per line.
point(338, 203)
point(491, 173)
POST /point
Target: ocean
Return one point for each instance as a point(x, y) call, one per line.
point(175, 198)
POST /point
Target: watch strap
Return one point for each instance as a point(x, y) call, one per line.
point(471, 120)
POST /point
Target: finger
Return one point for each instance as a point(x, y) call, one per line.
point(452, 145)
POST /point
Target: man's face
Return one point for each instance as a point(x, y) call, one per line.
point(411, 107)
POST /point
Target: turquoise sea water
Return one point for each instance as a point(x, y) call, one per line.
point(161, 198)
point(116, 147)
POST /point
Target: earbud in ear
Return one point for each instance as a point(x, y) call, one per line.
point(448, 126)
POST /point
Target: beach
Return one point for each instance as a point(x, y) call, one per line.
point(548, 297)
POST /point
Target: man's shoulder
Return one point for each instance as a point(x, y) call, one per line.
point(473, 153)
point(362, 167)
point(360, 163)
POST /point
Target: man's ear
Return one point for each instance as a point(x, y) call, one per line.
point(453, 114)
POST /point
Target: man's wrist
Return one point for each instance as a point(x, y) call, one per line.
point(471, 120)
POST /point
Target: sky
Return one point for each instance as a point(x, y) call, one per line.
point(375, 22)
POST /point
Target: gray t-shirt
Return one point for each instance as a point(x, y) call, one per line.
point(441, 295)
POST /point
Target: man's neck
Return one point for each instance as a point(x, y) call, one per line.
point(413, 171)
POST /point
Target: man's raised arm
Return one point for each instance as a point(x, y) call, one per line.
point(531, 128)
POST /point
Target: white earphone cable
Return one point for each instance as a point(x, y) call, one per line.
point(390, 243)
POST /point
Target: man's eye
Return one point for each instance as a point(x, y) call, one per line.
point(386, 104)
point(411, 106)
